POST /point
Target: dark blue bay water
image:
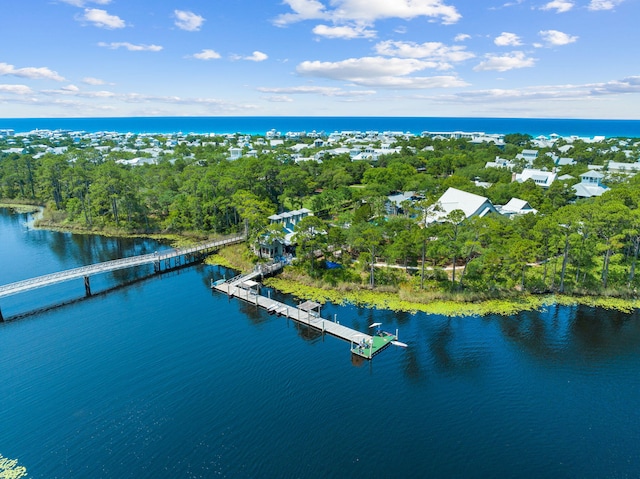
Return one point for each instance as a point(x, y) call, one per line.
point(260, 125)
point(164, 378)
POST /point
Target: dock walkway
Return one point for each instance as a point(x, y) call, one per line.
point(244, 288)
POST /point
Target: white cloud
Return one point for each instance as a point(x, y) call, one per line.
point(279, 99)
point(206, 54)
point(461, 37)
point(16, 89)
point(507, 39)
point(254, 57)
point(354, 68)
point(35, 73)
point(345, 32)
point(188, 21)
point(431, 50)
point(503, 63)
point(316, 90)
point(415, 83)
point(73, 90)
point(560, 6)
point(93, 81)
point(367, 12)
point(596, 5)
point(379, 71)
point(556, 92)
point(102, 19)
point(131, 47)
point(556, 38)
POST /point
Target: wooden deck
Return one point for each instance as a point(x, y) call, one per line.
point(242, 287)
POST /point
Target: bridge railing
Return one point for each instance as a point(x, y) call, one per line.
point(112, 265)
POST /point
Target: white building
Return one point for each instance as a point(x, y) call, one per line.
point(540, 177)
point(590, 185)
point(454, 199)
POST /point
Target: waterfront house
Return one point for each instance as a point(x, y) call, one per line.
point(275, 248)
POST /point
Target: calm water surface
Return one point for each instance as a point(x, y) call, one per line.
point(164, 378)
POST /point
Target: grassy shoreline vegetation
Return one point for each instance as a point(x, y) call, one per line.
point(10, 469)
point(359, 244)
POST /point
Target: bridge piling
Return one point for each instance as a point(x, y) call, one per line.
point(1, 318)
point(87, 286)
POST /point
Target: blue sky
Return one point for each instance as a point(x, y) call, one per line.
point(479, 58)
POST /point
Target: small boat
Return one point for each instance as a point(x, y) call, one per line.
point(399, 343)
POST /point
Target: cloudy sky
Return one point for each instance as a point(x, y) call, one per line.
point(509, 58)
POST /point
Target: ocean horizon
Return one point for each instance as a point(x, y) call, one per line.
point(259, 125)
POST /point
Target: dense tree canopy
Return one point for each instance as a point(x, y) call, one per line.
point(583, 245)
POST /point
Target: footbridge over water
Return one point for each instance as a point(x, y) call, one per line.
point(161, 260)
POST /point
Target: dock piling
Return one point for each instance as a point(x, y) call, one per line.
point(87, 286)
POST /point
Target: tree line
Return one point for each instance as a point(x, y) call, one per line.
point(569, 246)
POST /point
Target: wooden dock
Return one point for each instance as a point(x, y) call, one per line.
point(246, 289)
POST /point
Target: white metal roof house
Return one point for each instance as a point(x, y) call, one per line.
point(623, 168)
point(590, 185)
point(454, 199)
point(528, 155)
point(540, 177)
point(516, 206)
point(500, 163)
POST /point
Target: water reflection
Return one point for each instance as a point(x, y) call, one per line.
point(451, 355)
point(576, 333)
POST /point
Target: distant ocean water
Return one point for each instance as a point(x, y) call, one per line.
point(256, 125)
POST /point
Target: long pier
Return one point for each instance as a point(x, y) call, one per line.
point(246, 289)
point(161, 260)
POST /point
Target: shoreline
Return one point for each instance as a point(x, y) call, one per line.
point(365, 297)
point(258, 125)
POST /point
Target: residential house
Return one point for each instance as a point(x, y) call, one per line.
point(395, 204)
point(529, 156)
point(454, 199)
point(623, 168)
point(235, 153)
point(590, 185)
point(516, 206)
point(288, 220)
point(500, 163)
point(540, 177)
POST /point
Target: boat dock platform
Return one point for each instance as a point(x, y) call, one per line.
point(308, 313)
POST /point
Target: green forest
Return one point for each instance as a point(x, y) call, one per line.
point(572, 246)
